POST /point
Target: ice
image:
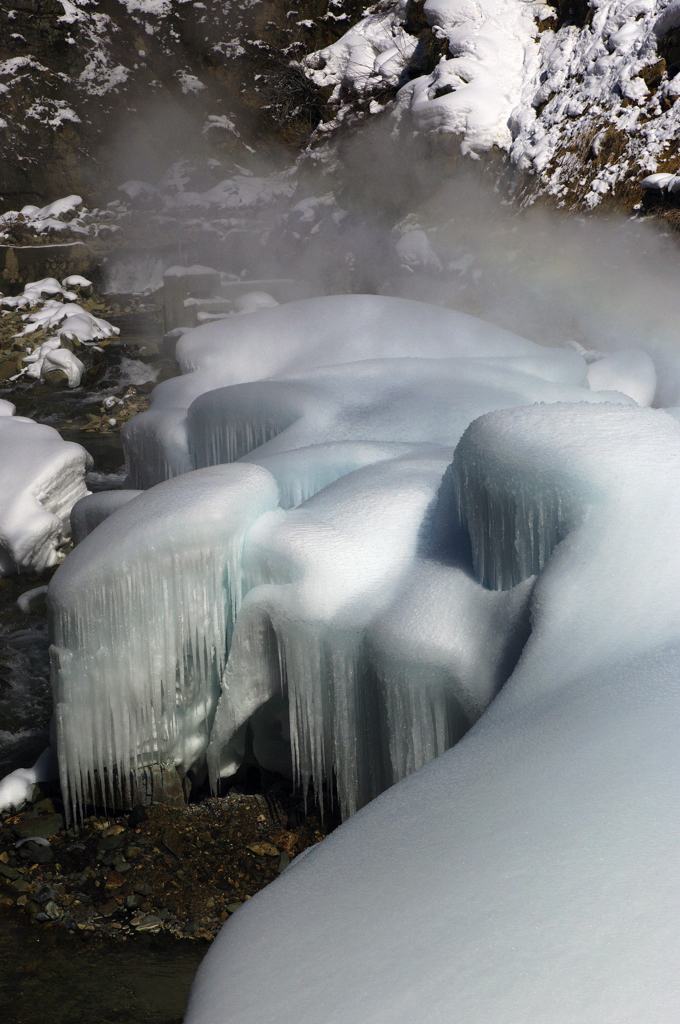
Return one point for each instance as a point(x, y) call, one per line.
point(141, 617)
point(529, 872)
point(42, 477)
point(358, 451)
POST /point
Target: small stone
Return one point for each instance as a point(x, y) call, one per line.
point(114, 881)
point(107, 909)
point(284, 861)
point(52, 910)
point(133, 902)
point(150, 922)
point(143, 888)
point(37, 853)
point(42, 826)
point(233, 907)
point(172, 841)
point(114, 830)
point(44, 894)
point(31, 908)
point(22, 900)
point(264, 849)
point(9, 873)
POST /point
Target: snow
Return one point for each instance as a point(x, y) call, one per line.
point(527, 873)
point(17, 787)
point(42, 477)
point(66, 319)
point(93, 509)
point(537, 92)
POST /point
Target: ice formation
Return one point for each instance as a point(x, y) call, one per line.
point(42, 477)
point(528, 873)
point(355, 454)
point(141, 616)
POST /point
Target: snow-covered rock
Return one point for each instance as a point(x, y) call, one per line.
point(42, 478)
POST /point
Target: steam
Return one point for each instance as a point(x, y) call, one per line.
point(407, 217)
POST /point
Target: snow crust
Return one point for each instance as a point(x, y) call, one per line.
point(528, 872)
point(42, 477)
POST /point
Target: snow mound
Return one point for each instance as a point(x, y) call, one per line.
point(534, 863)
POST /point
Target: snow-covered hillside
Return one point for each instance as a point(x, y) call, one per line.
point(580, 97)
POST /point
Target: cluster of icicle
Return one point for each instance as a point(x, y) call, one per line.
point(146, 640)
point(514, 519)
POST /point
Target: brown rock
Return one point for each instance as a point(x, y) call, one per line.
point(172, 841)
point(264, 849)
point(114, 881)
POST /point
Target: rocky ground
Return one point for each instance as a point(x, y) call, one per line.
point(182, 872)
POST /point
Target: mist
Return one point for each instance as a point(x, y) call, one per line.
point(379, 213)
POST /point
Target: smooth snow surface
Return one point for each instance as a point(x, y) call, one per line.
point(528, 874)
point(299, 338)
point(41, 477)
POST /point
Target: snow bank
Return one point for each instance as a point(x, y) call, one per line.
point(42, 477)
point(361, 447)
point(66, 319)
point(528, 873)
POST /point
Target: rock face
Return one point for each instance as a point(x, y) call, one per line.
point(92, 91)
point(21, 264)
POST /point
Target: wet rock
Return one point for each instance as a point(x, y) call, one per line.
point(9, 873)
point(42, 826)
point(172, 841)
point(109, 908)
point(284, 861)
point(52, 910)
point(36, 853)
point(112, 842)
point(137, 816)
point(44, 894)
point(31, 908)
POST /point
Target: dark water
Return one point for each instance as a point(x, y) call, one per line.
point(48, 975)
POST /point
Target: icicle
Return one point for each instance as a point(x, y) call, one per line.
point(142, 615)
